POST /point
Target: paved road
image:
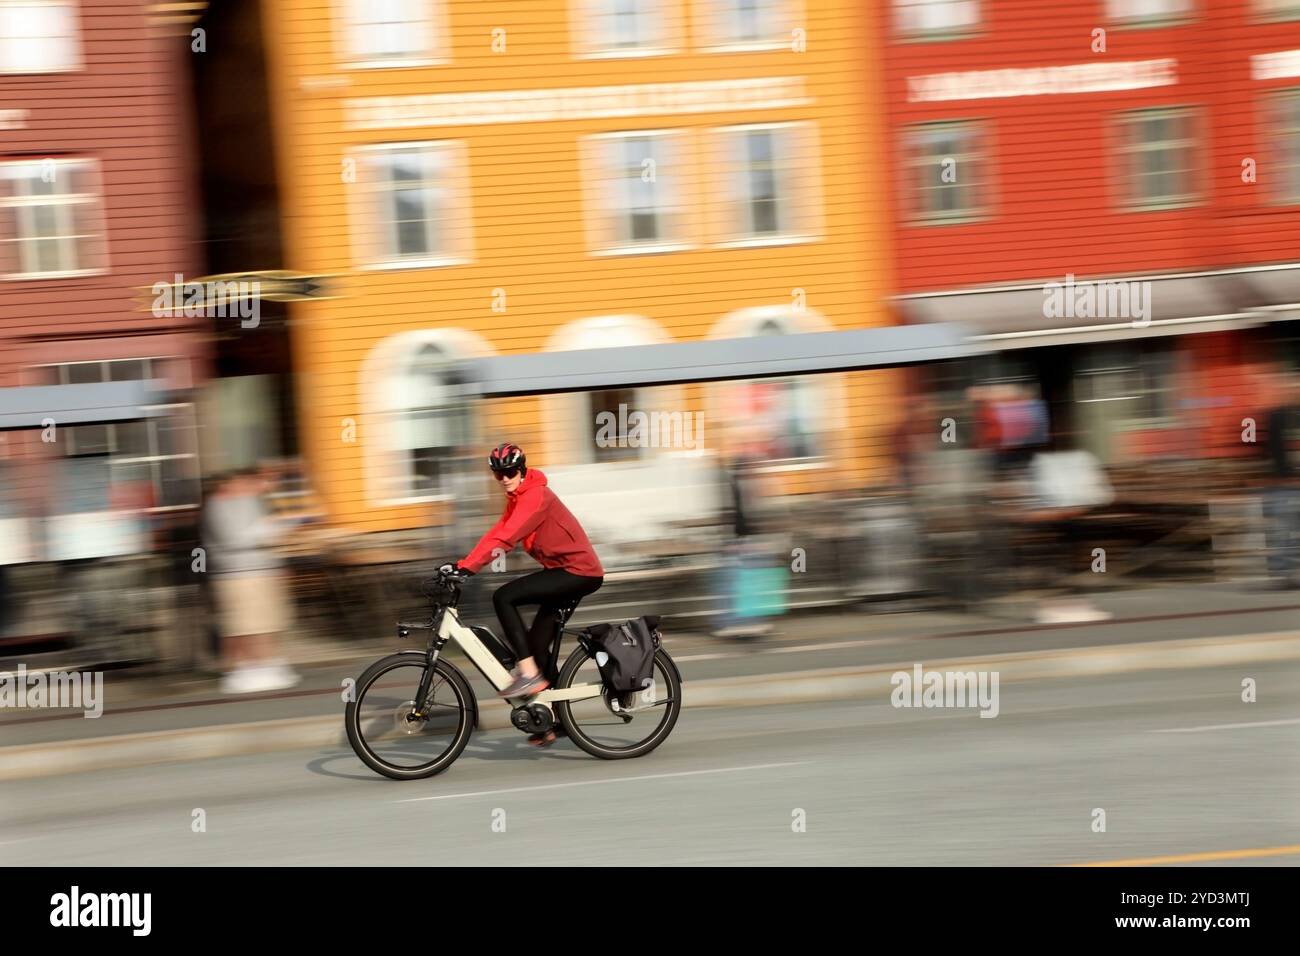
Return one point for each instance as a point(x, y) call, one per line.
point(878, 785)
point(134, 705)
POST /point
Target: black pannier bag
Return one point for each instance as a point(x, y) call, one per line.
point(628, 650)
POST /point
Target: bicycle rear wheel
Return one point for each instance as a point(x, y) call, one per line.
point(603, 726)
point(386, 734)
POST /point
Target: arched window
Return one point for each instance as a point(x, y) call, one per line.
point(593, 427)
point(784, 419)
point(788, 408)
point(420, 416)
point(431, 421)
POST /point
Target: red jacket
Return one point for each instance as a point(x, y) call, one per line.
point(549, 531)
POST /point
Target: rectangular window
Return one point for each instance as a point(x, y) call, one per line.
point(159, 453)
point(623, 28)
point(936, 18)
point(636, 184)
point(771, 186)
point(1277, 9)
point(51, 218)
point(417, 212)
point(1121, 390)
point(38, 36)
point(945, 172)
point(748, 24)
point(1158, 159)
point(1148, 11)
point(609, 441)
point(387, 33)
point(1286, 146)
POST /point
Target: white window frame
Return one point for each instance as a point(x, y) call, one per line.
point(1115, 13)
point(588, 44)
point(91, 247)
point(154, 453)
point(400, 417)
point(676, 210)
point(916, 213)
point(1284, 105)
point(810, 193)
point(945, 32)
point(387, 464)
point(1125, 151)
point(828, 391)
point(435, 50)
point(1274, 11)
point(569, 427)
point(373, 244)
point(710, 18)
point(73, 63)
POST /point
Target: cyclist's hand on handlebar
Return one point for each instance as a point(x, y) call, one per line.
point(453, 570)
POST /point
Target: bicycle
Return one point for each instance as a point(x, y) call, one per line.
point(398, 739)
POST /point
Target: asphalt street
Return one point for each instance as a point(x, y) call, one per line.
point(138, 705)
point(1185, 771)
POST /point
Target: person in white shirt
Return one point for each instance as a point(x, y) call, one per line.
point(1064, 485)
point(249, 590)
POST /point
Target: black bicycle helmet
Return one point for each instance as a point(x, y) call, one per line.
point(507, 457)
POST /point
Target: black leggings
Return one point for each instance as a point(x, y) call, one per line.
point(550, 589)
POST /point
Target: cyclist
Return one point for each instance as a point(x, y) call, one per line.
point(551, 535)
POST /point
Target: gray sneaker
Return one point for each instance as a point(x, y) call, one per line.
point(525, 687)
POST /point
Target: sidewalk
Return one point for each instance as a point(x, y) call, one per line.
point(815, 657)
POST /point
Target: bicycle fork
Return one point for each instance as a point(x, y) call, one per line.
point(436, 644)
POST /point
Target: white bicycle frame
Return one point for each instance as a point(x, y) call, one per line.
point(497, 675)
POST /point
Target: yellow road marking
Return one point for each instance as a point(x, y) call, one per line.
point(1292, 850)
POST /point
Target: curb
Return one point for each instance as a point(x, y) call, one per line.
point(839, 683)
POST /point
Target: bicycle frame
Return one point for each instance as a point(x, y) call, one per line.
point(451, 629)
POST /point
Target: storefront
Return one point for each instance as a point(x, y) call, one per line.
point(1134, 369)
point(89, 473)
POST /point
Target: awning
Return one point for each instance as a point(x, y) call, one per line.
point(1087, 309)
point(715, 360)
point(33, 406)
point(1274, 291)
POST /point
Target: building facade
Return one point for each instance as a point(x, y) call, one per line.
point(486, 179)
point(96, 206)
point(1107, 194)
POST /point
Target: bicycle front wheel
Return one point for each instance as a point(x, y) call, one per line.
point(383, 726)
point(613, 726)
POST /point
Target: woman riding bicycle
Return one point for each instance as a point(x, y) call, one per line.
point(551, 535)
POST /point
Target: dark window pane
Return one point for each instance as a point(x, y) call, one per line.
point(612, 441)
point(85, 373)
point(88, 439)
point(644, 226)
point(130, 370)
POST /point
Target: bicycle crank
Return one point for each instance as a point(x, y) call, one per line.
point(533, 718)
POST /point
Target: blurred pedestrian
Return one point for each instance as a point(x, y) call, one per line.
point(248, 582)
point(1282, 497)
point(752, 582)
point(1065, 485)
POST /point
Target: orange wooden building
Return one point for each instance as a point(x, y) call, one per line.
point(486, 179)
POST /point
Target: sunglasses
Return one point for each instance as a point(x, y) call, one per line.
point(507, 474)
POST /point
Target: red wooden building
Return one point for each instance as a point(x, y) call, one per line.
point(97, 204)
point(1107, 193)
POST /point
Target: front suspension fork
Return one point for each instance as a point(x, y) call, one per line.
point(436, 645)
